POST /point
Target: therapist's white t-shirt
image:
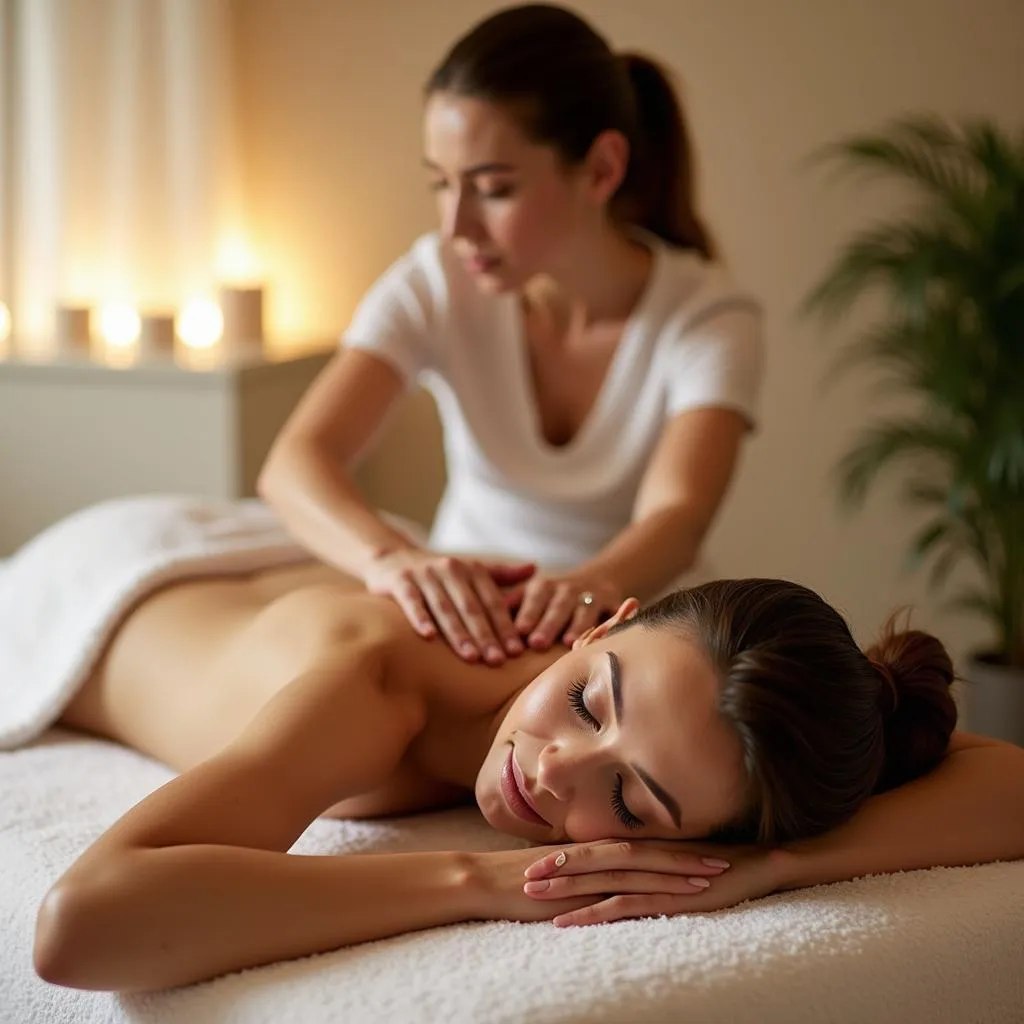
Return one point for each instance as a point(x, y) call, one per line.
point(694, 340)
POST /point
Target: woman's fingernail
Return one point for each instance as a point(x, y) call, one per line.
point(468, 650)
point(514, 647)
point(536, 886)
point(714, 862)
point(700, 883)
point(538, 641)
point(494, 655)
point(569, 638)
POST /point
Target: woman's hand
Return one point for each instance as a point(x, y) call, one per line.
point(553, 607)
point(650, 878)
point(460, 597)
point(504, 883)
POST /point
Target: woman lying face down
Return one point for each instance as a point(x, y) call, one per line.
point(716, 731)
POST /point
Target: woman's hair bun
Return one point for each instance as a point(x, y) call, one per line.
point(915, 675)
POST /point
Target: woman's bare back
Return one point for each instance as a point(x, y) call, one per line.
point(192, 664)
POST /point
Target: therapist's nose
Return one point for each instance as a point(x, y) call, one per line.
point(458, 218)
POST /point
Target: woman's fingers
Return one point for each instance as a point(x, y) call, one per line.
point(410, 600)
point(615, 881)
point(619, 908)
point(496, 610)
point(535, 601)
point(556, 615)
point(612, 855)
point(506, 574)
point(447, 616)
point(583, 618)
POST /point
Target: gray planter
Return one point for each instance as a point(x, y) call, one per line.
point(995, 699)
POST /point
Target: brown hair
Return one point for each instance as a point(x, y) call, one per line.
point(567, 86)
point(822, 725)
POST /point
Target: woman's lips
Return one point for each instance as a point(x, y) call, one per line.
point(513, 788)
point(482, 264)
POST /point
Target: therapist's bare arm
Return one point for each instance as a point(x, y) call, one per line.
point(681, 492)
point(307, 480)
point(307, 476)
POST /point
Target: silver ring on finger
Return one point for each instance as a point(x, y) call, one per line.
point(586, 598)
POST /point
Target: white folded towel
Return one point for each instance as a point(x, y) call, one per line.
point(63, 593)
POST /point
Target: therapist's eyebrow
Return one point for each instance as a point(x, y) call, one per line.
point(469, 172)
point(660, 793)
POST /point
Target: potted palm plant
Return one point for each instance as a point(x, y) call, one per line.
point(950, 273)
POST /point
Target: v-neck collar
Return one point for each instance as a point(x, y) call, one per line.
point(614, 376)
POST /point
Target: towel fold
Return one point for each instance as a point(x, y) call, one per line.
point(65, 591)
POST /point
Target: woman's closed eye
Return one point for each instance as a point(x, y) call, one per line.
point(576, 690)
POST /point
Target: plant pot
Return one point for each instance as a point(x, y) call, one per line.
point(995, 699)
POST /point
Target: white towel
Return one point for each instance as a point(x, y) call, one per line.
point(62, 594)
point(942, 947)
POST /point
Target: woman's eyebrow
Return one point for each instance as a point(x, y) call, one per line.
point(658, 791)
point(469, 172)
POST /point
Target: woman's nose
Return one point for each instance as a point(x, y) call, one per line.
point(559, 768)
point(457, 221)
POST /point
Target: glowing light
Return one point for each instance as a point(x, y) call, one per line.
point(200, 324)
point(119, 325)
point(5, 323)
point(235, 261)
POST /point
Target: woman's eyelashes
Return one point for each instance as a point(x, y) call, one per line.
point(579, 705)
point(577, 688)
point(501, 190)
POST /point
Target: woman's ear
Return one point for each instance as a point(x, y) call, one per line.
point(623, 613)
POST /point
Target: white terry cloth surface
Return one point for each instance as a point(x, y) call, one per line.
point(66, 589)
point(943, 946)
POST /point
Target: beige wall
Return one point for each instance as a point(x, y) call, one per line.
point(331, 101)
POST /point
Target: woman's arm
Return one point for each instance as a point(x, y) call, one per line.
point(306, 480)
point(682, 488)
point(306, 476)
point(968, 810)
point(195, 881)
point(681, 491)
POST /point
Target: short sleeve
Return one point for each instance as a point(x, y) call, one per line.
point(717, 359)
point(396, 317)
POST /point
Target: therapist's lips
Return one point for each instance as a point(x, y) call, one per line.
point(482, 264)
point(513, 788)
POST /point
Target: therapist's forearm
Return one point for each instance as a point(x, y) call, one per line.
point(324, 511)
point(649, 554)
point(968, 810)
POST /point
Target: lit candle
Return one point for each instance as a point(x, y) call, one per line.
point(72, 328)
point(242, 309)
point(200, 324)
point(119, 325)
point(156, 336)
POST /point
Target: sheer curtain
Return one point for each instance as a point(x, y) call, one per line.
point(118, 155)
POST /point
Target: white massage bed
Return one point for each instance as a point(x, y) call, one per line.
point(937, 947)
point(931, 947)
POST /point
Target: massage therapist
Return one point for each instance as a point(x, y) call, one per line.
point(595, 370)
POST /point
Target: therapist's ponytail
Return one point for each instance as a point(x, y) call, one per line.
point(561, 81)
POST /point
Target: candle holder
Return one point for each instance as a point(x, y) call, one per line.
point(156, 336)
point(72, 328)
point(242, 309)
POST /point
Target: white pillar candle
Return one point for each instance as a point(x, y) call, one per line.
point(72, 328)
point(242, 308)
point(157, 334)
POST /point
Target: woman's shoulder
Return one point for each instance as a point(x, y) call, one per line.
point(691, 288)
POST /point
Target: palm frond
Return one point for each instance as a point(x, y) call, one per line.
point(951, 274)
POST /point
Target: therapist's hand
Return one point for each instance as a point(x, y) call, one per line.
point(458, 597)
point(554, 607)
